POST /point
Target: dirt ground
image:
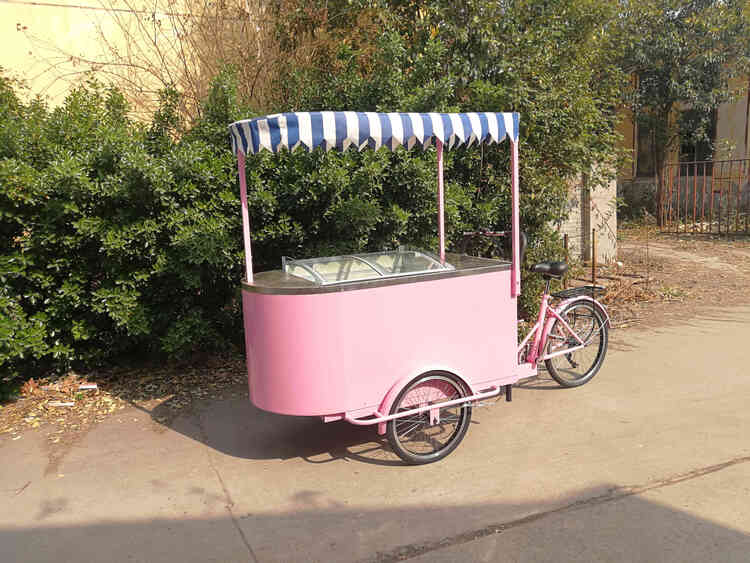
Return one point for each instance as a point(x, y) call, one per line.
point(658, 279)
point(667, 277)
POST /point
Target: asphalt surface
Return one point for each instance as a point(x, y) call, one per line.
point(648, 462)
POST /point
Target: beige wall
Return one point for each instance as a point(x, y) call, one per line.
point(37, 42)
point(53, 45)
point(732, 125)
point(626, 128)
point(591, 209)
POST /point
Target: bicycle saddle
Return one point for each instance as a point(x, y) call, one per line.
point(550, 269)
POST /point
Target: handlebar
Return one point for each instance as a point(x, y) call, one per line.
point(501, 245)
point(468, 235)
point(484, 233)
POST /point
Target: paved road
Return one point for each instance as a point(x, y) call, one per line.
point(649, 462)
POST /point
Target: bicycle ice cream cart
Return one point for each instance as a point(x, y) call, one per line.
point(403, 340)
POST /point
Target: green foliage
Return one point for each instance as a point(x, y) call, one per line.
point(685, 55)
point(115, 238)
point(120, 238)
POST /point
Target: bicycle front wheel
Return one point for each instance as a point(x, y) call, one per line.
point(579, 366)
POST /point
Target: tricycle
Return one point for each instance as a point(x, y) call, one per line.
point(403, 340)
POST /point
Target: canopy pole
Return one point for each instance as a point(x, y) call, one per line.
point(441, 201)
point(245, 216)
point(515, 289)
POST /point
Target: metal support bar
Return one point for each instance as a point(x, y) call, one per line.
point(377, 269)
point(320, 279)
point(245, 217)
point(567, 257)
point(515, 289)
point(441, 201)
point(593, 256)
point(380, 418)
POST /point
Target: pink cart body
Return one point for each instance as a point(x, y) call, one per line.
point(344, 349)
point(341, 352)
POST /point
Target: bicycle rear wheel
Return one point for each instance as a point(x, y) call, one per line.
point(579, 366)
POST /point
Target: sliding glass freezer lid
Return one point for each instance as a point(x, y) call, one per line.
point(363, 266)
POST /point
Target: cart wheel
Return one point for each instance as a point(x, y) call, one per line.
point(430, 435)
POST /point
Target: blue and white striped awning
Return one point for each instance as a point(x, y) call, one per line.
point(341, 130)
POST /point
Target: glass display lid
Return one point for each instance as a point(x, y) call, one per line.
point(365, 266)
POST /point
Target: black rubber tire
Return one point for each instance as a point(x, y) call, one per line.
point(464, 418)
point(599, 323)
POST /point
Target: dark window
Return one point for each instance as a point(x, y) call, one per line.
point(698, 134)
point(645, 155)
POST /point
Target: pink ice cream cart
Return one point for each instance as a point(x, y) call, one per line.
point(403, 340)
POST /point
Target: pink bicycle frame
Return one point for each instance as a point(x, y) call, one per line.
point(540, 330)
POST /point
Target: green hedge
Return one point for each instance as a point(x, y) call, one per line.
point(114, 238)
point(121, 238)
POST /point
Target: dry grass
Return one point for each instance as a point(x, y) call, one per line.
point(666, 275)
point(64, 411)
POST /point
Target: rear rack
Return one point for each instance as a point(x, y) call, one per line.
point(590, 290)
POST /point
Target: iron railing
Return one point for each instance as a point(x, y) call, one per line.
point(706, 196)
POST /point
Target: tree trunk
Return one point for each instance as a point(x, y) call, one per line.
point(660, 188)
point(660, 151)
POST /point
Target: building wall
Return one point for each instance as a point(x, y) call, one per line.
point(54, 45)
point(732, 129)
point(732, 125)
point(591, 209)
point(638, 194)
point(602, 206)
point(37, 41)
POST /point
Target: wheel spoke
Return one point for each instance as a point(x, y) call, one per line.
point(405, 419)
point(410, 429)
point(413, 437)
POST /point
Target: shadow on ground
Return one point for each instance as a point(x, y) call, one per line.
point(237, 428)
point(613, 526)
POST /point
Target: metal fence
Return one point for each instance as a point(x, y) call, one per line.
point(706, 196)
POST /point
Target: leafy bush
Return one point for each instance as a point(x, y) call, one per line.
point(118, 237)
point(115, 238)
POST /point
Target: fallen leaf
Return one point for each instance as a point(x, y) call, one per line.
point(29, 388)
